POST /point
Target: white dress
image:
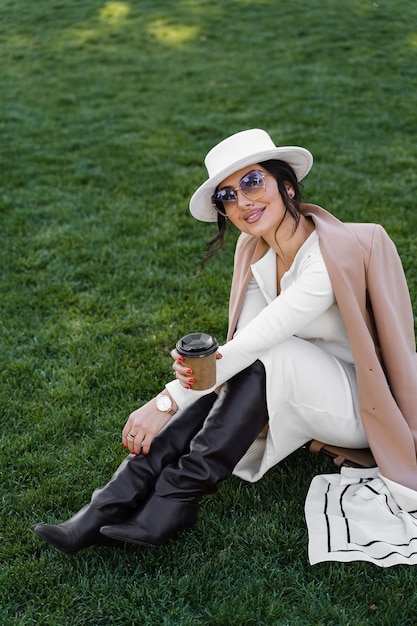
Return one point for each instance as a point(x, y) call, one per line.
point(301, 339)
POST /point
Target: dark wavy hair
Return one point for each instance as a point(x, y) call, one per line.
point(283, 173)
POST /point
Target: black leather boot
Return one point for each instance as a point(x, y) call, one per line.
point(236, 419)
point(130, 485)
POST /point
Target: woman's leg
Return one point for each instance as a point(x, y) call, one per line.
point(311, 395)
point(130, 485)
point(237, 417)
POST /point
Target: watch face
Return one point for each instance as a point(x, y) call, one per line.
point(164, 403)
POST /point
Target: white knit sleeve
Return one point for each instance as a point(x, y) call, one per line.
point(183, 397)
point(309, 295)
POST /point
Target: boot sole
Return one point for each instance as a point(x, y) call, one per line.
point(103, 542)
point(137, 542)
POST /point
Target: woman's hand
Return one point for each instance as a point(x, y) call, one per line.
point(182, 373)
point(144, 424)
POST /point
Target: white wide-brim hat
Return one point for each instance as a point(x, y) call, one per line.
point(230, 155)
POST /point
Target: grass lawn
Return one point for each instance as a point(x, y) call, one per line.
point(107, 110)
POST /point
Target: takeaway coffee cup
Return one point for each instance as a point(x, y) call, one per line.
point(199, 352)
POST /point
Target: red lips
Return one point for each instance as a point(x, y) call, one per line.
point(254, 213)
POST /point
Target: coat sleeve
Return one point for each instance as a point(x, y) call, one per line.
point(394, 321)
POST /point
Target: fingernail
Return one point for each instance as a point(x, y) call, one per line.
point(180, 358)
point(189, 372)
point(191, 380)
point(187, 386)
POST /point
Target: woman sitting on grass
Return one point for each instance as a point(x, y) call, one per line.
point(321, 346)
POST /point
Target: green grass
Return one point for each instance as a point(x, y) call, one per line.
point(107, 110)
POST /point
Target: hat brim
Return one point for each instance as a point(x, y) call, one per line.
point(300, 159)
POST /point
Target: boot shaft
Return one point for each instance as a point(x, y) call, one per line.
point(235, 420)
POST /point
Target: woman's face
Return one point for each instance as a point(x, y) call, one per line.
point(259, 217)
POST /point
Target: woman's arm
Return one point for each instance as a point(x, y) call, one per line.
point(310, 295)
point(145, 423)
point(295, 308)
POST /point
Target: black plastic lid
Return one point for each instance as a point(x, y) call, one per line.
point(196, 345)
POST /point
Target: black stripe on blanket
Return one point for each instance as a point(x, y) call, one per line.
point(360, 547)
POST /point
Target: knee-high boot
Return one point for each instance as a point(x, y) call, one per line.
point(130, 485)
point(237, 417)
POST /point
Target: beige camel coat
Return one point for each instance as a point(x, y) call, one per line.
point(372, 294)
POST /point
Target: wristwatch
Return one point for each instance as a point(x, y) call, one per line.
point(164, 404)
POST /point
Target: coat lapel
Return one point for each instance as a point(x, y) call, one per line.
point(248, 251)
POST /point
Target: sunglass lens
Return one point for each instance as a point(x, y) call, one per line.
point(252, 183)
point(224, 195)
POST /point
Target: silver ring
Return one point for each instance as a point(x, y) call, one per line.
point(131, 436)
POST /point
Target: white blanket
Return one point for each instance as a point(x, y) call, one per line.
point(359, 515)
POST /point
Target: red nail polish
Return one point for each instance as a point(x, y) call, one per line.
point(180, 358)
point(189, 372)
point(187, 386)
point(191, 380)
